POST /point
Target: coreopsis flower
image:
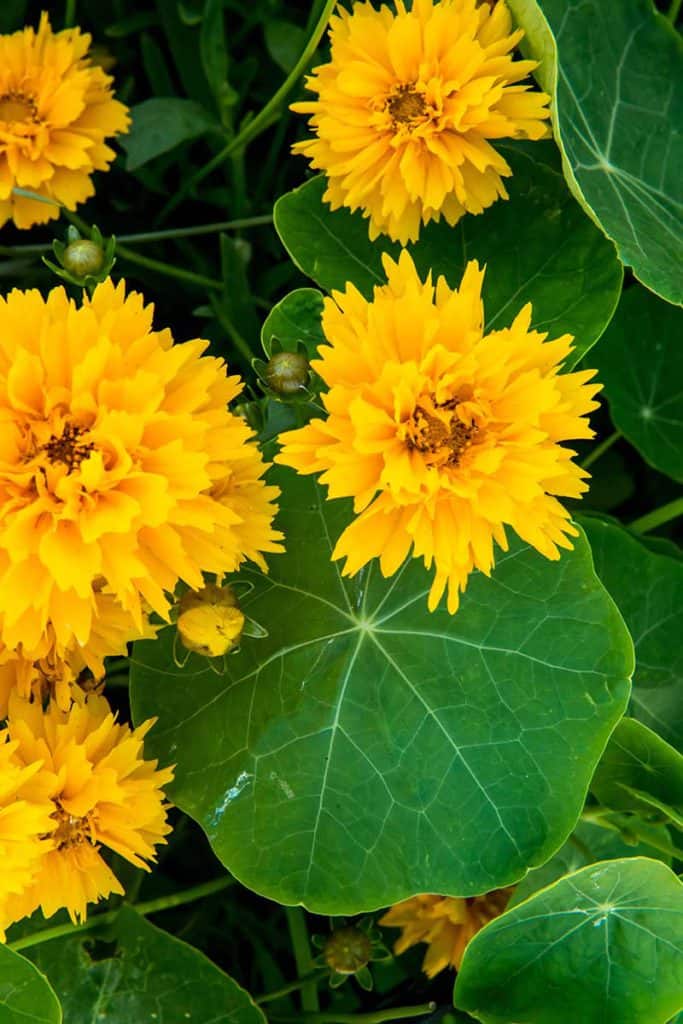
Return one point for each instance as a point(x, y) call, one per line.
point(441, 433)
point(102, 793)
point(121, 470)
point(445, 923)
point(56, 110)
point(24, 822)
point(407, 108)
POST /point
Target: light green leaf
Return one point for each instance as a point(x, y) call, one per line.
point(160, 125)
point(367, 749)
point(293, 320)
point(25, 994)
point(149, 976)
point(640, 772)
point(538, 247)
point(648, 589)
point(616, 76)
point(601, 946)
point(640, 362)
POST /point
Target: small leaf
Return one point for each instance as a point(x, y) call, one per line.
point(640, 772)
point(538, 247)
point(601, 946)
point(160, 125)
point(640, 362)
point(614, 70)
point(25, 994)
point(368, 749)
point(214, 55)
point(295, 320)
point(285, 42)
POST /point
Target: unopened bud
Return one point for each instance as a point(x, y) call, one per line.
point(83, 257)
point(210, 622)
point(347, 950)
point(287, 373)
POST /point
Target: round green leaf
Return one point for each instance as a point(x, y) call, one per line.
point(149, 976)
point(640, 362)
point(367, 749)
point(614, 71)
point(648, 588)
point(25, 994)
point(294, 320)
point(639, 771)
point(538, 247)
point(601, 946)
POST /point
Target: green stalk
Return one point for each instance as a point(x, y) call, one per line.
point(70, 14)
point(293, 986)
point(264, 117)
point(176, 899)
point(600, 449)
point(378, 1017)
point(168, 269)
point(302, 954)
point(658, 516)
point(674, 11)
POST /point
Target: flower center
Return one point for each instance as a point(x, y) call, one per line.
point(17, 106)
point(68, 448)
point(436, 430)
point(406, 105)
point(70, 831)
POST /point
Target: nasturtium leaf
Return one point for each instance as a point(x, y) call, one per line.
point(148, 975)
point(366, 749)
point(640, 362)
point(538, 247)
point(648, 588)
point(601, 946)
point(160, 125)
point(25, 993)
point(294, 320)
point(640, 771)
point(615, 73)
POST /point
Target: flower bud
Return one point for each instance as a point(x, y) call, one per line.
point(287, 373)
point(210, 621)
point(347, 950)
point(83, 257)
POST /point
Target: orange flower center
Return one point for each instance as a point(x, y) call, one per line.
point(70, 831)
point(17, 106)
point(406, 105)
point(436, 430)
point(68, 448)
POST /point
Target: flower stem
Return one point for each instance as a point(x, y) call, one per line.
point(262, 120)
point(658, 516)
point(674, 11)
point(168, 269)
point(378, 1017)
point(268, 997)
point(302, 954)
point(70, 14)
point(600, 449)
point(176, 899)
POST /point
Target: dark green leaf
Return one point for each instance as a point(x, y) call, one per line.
point(615, 72)
point(648, 589)
point(294, 320)
point(214, 54)
point(640, 362)
point(160, 125)
point(25, 995)
point(148, 976)
point(538, 247)
point(640, 772)
point(601, 946)
point(285, 42)
point(367, 749)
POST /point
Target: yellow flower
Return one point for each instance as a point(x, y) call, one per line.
point(407, 106)
point(24, 822)
point(121, 472)
point(101, 792)
point(442, 434)
point(445, 923)
point(56, 110)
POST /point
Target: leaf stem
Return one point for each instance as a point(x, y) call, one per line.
point(378, 1017)
point(674, 10)
point(302, 954)
point(291, 987)
point(600, 449)
point(658, 516)
point(168, 269)
point(264, 117)
point(176, 899)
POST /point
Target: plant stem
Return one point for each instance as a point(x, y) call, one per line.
point(600, 449)
point(302, 954)
point(674, 11)
point(176, 899)
point(600, 816)
point(286, 989)
point(658, 516)
point(168, 269)
point(70, 14)
point(378, 1017)
point(264, 117)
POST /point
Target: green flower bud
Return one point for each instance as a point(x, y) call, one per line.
point(347, 950)
point(287, 373)
point(83, 257)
